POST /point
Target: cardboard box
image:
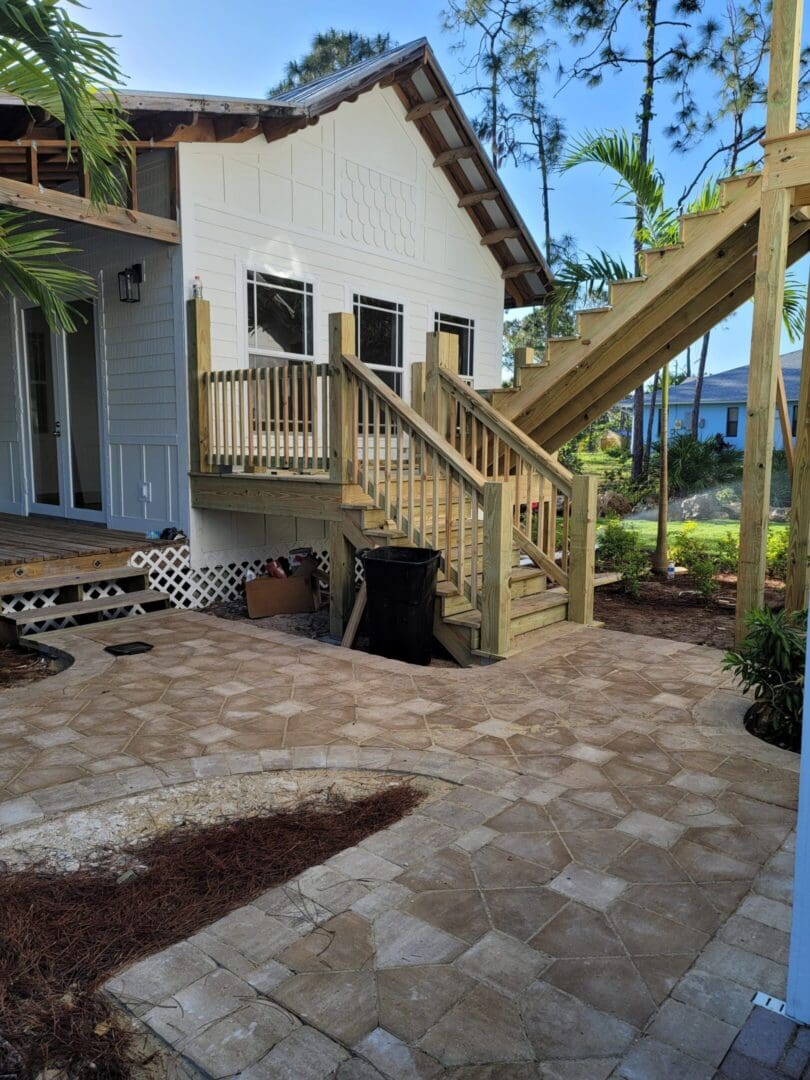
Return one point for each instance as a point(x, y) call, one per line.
point(281, 596)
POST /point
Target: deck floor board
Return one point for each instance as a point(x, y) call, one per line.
point(37, 539)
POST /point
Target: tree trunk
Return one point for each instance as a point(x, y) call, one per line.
point(689, 361)
point(543, 161)
point(660, 561)
point(493, 116)
point(650, 419)
point(704, 352)
point(644, 121)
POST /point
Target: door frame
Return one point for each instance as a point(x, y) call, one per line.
point(64, 509)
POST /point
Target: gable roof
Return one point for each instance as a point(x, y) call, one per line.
point(163, 119)
point(731, 387)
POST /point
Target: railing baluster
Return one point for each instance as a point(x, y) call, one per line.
point(365, 435)
point(376, 422)
point(411, 485)
point(474, 548)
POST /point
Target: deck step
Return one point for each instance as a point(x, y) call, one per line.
point(94, 606)
point(532, 612)
point(64, 581)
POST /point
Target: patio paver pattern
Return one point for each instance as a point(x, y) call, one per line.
point(598, 893)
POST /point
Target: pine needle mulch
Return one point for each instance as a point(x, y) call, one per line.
point(62, 935)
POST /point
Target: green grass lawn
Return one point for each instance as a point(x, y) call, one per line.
point(708, 531)
point(600, 462)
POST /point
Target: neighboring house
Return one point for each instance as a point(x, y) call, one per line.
point(365, 191)
point(722, 404)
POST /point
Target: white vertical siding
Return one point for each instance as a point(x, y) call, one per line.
point(11, 479)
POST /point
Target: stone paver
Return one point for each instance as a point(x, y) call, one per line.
point(598, 892)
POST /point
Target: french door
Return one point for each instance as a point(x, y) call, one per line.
point(61, 378)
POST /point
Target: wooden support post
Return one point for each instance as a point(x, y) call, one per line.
point(784, 420)
point(496, 598)
point(418, 387)
point(772, 242)
point(798, 569)
point(198, 319)
point(353, 625)
point(341, 579)
point(343, 437)
point(441, 354)
point(583, 549)
point(524, 356)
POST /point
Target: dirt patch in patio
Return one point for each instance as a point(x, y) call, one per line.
point(19, 665)
point(63, 935)
point(674, 609)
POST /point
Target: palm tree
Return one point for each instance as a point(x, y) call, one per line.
point(52, 63)
point(640, 187)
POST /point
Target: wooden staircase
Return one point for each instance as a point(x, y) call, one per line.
point(685, 290)
point(31, 606)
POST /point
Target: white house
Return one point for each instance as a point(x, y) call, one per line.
point(366, 191)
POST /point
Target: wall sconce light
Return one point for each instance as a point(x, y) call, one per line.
point(129, 284)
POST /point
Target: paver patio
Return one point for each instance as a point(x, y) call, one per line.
point(598, 893)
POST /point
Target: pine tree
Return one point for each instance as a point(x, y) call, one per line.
point(330, 51)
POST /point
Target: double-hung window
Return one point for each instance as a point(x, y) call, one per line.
point(280, 320)
point(379, 332)
point(732, 421)
point(464, 329)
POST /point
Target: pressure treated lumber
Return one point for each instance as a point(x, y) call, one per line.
point(583, 548)
point(798, 571)
point(772, 243)
point(341, 579)
point(341, 343)
point(496, 595)
point(198, 319)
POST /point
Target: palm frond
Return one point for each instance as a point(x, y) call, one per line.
point(587, 280)
point(793, 308)
point(638, 183)
point(31, 266)
point(53, 63)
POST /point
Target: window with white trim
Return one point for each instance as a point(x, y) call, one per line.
point(280, 319)
point(732, 421)
point(464, 329)
point(379, 332)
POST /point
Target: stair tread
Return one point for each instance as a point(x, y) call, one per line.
point(59, 581)
point(551, 598)
point(472, 617)
point(84, 607)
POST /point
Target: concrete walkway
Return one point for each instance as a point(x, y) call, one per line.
point(598, 894)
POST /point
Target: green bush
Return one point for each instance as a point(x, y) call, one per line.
point(619, 548)
point(728, 553)
point(696, 465)
point(771, 661)
point(776, 553)
point(695, 555)
point(569, 457)
point(619, 452)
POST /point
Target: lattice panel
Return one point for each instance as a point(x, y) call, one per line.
point(31, 601)
point(171, 572)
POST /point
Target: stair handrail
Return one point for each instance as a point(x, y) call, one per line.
point(373, 429)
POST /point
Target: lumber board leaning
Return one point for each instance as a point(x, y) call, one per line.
point(798, 571)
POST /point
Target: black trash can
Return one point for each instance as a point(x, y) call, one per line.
point(401, 584)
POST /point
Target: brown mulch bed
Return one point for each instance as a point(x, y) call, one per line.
point(673, 609)
point(63, 935)
point(19, 665)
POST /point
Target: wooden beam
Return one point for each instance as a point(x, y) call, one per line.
point(425, 108)
point(448, 157)
point(798, 569)
point(497, 235)
point(58, 204)
point(341, 579)
point(353, 625)
point(198, 321)
point(496, 628)
point(473, 198)
point(774, 221)
point(583, 549)
point(441, 354)
point(33, 166)
point(783, 410)
point(516, 269)
point(341, 343)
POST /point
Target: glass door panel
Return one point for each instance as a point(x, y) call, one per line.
point(82, 410)
point(42, 391)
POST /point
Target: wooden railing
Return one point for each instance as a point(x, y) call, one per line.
point(268, 417)
point(435, 496)
point(554, 510)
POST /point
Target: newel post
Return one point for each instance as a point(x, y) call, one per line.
point(342, 435)
point(496, 605)
point(198, 319)
point(441, 354)
point(418, 387)
point(582, 554)
point(524, 357)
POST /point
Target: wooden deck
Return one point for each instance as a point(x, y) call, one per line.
point(32, 547)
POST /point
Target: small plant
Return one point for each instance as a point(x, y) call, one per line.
point(569, 457)
point(620, 549)
point(771, 662)
point(699, 464)
point(695, 555)
point(776, 553)
point(728, 553)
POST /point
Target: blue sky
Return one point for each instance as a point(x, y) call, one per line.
point(240, 48)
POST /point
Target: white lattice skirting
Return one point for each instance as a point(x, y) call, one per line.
point(170, 571)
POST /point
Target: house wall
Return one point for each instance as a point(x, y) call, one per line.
point(713, 417)
point(352, 204)
point(142, 368)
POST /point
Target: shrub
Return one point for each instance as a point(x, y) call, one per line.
point(619, 548)
point(697, 465)
point(618, 452)
point(569, 457)
point(695, 555)
point(771, 661)
point(776, 553)
point(728, 553)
